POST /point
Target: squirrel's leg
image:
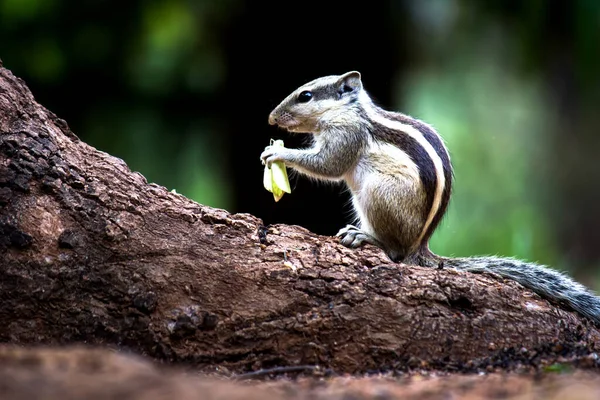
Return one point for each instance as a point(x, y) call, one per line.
point(383, 223)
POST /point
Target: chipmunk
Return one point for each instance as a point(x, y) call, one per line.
point(399, 172)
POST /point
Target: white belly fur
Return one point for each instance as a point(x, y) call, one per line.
point(379, 163)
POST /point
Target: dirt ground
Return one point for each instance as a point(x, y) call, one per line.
point(99, 374)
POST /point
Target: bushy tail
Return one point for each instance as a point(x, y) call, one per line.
point(544, 281)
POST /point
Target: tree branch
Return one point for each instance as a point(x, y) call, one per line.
point(93, 253)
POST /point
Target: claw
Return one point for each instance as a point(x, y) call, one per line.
point(354, 237)
point(346, 229)
point(267, 156)
point(272, 154)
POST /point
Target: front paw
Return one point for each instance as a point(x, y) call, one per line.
point(274, 153)
point(354, 237)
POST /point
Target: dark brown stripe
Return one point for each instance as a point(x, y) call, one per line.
point(417, 154)
point(428, 132)
point(440, 148)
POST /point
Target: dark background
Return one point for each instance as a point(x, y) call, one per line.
point(181, 90)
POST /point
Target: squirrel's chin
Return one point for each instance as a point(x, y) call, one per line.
point(299, 128)
point(296, 128)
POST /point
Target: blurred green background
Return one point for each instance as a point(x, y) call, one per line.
point(181, 90)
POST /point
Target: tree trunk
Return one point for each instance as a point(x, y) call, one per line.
point(93, 253)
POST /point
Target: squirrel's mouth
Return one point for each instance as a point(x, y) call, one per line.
point(296, 127)
point(290, 123)
point(291, 126)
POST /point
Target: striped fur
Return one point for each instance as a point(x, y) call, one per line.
point(400, 175)
point(438, 144)
point(395, 128)
point(396, 208)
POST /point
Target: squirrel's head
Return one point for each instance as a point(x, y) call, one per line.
point(323, 102)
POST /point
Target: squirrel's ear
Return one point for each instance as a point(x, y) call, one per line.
point(349, 82)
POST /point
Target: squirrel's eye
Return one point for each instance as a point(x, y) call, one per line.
point(304, 97)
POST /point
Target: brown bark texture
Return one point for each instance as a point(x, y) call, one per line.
point(93, 253)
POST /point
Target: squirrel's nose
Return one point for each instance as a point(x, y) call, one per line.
point(272, 119)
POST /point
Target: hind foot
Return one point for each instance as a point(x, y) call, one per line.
point(353, 237)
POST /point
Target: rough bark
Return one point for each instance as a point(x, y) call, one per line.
point(93, 253)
